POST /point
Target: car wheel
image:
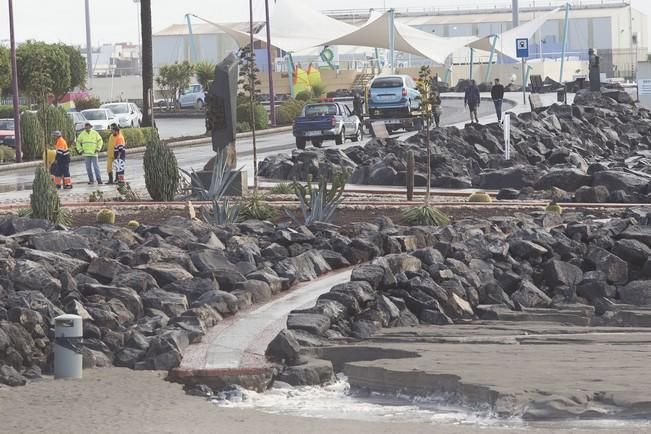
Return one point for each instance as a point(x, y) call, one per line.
point(317, 143)
point(341, 138)
point(359, 134)
point(300, 143)
point(198, 105)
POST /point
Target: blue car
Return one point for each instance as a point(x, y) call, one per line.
point(393, 96)
point(326, 121)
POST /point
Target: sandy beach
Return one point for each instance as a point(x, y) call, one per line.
point(118, 400)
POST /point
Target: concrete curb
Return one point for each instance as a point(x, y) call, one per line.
point(140, 150)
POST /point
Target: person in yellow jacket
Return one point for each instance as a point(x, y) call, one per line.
point(89, 143)
point(117, 143)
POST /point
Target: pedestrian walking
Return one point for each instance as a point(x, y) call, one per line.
point(89, 143)
point(62, 162)
point(472, 100)
point(358, 105)
point(116, 155)
point(497, 95)
point(436, 107)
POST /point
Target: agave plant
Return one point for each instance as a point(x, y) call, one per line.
point(222, 211)
point(320, 204)
point(424, 215)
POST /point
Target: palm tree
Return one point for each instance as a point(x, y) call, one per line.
point(147, 63)
point(205, 73)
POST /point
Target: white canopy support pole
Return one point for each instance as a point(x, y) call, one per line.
point(472, 54)
point(290, 74)
point(392, 41)
point(448, 69)
point(564, 46)
point(490, 60)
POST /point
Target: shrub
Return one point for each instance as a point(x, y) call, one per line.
point(283, 116)
point(133, 225)
point(261, 116)
point(480, 196)
point(44, 200)
point(87, 103)
point(134, 137)
point(7, 154)
point(289, 110)
point(553, 207)
point(319, 204)
point(55, 118)
point(424, 215)
point(304, 95)
point(254, 207)
point(282, 188)
point(150, 135)
point(7, 111)
point(106, 217)
point(318, 90)
point(31, 136)
point(161, 172)
point(243, 127)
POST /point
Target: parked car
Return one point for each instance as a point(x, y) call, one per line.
point(78, 119)
point(326, 121)
point(101, 118)
point(128, 114)
point(192, 97)
point(393, 96)
point(7, 133)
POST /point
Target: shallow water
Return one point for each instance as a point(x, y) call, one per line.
point(337, 401)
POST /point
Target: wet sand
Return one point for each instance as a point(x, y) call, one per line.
point(118, 400)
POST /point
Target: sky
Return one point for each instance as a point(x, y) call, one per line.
point(117, 20)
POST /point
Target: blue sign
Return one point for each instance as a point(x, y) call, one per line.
point(522, 47)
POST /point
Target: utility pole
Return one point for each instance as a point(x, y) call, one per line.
point(252, 101)
point(515, 13)
point(14, 84)
point(89, 49)
point(272, 97)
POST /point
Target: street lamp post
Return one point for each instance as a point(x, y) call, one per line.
point(272, 98)
point(89, 49)
point(14, 84)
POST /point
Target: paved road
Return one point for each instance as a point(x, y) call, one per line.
point(15, 185)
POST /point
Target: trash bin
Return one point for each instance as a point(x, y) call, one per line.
point(68, 334)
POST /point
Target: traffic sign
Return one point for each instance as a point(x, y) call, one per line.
point(522, 47)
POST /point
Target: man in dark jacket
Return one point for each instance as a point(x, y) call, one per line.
point(471, 100)
point(497, 95)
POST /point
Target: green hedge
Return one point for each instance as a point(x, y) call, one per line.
point(134, 137)
point(261, 116)
point(7, 111)
point(288, 111)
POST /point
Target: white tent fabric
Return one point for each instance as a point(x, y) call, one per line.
point(375, 33)
point(506, 41)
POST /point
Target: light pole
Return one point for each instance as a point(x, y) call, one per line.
point(272, 98)
point(137, 2)
point(14, 84)
point(89, 49)
point(252, 101)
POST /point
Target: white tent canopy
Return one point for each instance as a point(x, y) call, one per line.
point(506, 41)
point(299, 28)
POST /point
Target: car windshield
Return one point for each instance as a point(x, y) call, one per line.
point(95, 115)
point(118, 108)
point(320, 110)
point(6, 124)
point(387, 82)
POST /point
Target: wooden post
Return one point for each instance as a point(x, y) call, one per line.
point(411, 168)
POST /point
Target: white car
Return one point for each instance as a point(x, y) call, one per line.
point(128, 114)
point(101, 118)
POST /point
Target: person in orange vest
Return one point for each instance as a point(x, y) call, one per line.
point(62, 162)
point(116, 154)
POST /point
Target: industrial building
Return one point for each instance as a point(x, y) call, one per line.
point(613, 27)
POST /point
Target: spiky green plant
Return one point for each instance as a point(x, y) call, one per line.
point(254, 207)
point(106, 217)
point(127, 194)
point(424, 215)
point(55, 118)
point(282, 188)
point(224, 213)
point(320, 204)
point(480, 196)
point(44, 200)
point(161, 172)
point(96, 196)
point(32, 135)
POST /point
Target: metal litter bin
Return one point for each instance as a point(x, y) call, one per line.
point(68, 334)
